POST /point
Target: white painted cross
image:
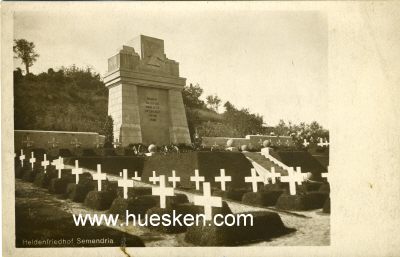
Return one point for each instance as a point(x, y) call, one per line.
point(326, 143)
point(253, 179)
point(162, 191)
point(207, 201)
point(76, 143)
point(300, 176)
point(28, 142)
point(325, 175)
point(59, 165)
point(45, 163)
point(53, 143)
point(22, 158)
point(99, 177)
point(154, 179)
point(125, 183)
point(174, 179)
point(32, 160)
point(273, 175)
point(196, 178)
point(223, 179)
point(321, 143)
point(136, 177)
point(291, 178)
point(305, 143)
point(77, 171)
point(116, 143)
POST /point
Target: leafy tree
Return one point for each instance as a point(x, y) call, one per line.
point(26, 52)
point(191, 96)
point(213, 101)
point(108, 131)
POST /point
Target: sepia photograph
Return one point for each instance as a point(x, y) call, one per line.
point(172, 119)
point(159, 125)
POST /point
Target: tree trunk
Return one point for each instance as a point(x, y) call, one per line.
point(27, 68)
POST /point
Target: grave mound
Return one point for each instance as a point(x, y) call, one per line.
point(59, 185)
point(29, 174)
point(141, 203)
point(166, 228)
point(19, 171)
point(43, 179)
point(190, 208)
point(77, 192)
point(327, 206)
point(266, 225)
point(99, 200)
point(325, 188)
point(262, 198)
point(135, 191)
point(278, 186)
point(301, 202)
point(232, 194)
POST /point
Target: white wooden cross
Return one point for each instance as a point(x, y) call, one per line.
point(273, 175)
point(325, 175)
point(154, 179)
point(136, 177)
point(291, 178)
point(174, 179)
point(22, 158)
point(77, 171)
point(116, 143)
point(54, 162)
point(253, 179)
point(53, 143)
point(32, 160)
point(223, 179)
point(28, 142)
point(162, 191)
point(326, 143)
point(59, 165)
point(125, 183)
point(97, 143)
point(207, 201)
point(45, 163)
point(76, 143)
point(99, 177)
point(300, 176)
point(321, 143)
point(305, 143)
point(196, 178)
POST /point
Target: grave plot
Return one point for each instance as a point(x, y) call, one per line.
point(162, 195)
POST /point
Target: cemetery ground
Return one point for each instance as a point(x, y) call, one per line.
point(42, 213)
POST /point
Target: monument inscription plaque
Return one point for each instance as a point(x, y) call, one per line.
point(145, 95)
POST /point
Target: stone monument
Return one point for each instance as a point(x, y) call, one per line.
point(145, 95)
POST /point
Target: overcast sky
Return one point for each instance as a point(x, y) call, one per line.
point(272, 62)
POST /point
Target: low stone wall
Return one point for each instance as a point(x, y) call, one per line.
point(56, 139)
point(255, 140)
point(221, 141)
point(275, 140)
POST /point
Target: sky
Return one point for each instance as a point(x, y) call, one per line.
point(274, 63)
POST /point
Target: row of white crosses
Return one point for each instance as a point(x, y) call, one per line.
point(162, 190)
point(292, 178)
point(323, 142)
